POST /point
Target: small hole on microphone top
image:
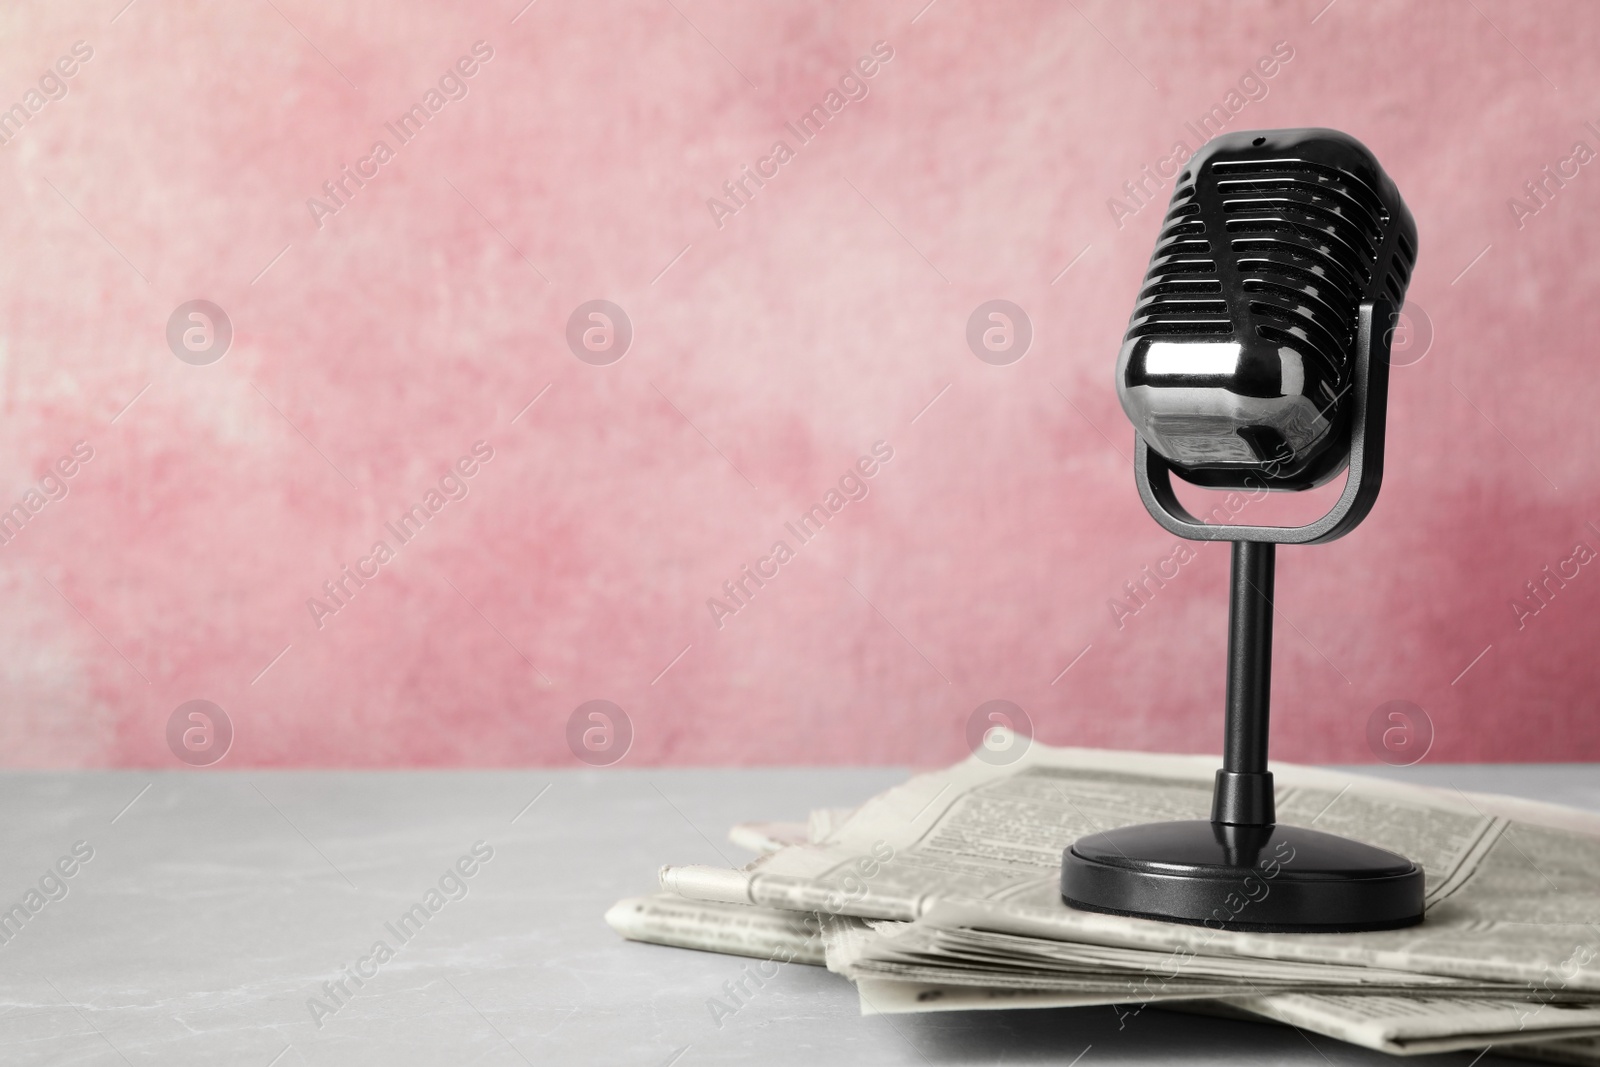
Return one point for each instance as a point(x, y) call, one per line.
point(1259, 141)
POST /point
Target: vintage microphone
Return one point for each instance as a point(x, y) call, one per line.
point(1258, 357)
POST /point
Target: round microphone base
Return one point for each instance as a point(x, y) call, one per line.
point(1276, 879)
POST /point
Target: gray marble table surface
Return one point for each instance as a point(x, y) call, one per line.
point(235, 917)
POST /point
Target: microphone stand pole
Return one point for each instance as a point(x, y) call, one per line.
point(1242, 795)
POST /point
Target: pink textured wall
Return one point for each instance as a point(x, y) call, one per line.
point(379, 338)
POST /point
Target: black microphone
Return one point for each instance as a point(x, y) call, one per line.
point(1239, 356)
point(1258, 357)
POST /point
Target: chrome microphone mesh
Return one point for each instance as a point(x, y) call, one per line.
point(1236, 366)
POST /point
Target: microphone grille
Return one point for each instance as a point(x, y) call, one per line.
point(1272, 241)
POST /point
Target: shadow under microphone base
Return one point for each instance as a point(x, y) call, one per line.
point(1241, 870)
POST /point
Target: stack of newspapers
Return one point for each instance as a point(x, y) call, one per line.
point(943, 894)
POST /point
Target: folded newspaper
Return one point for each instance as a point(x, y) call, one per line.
point(943, 894)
